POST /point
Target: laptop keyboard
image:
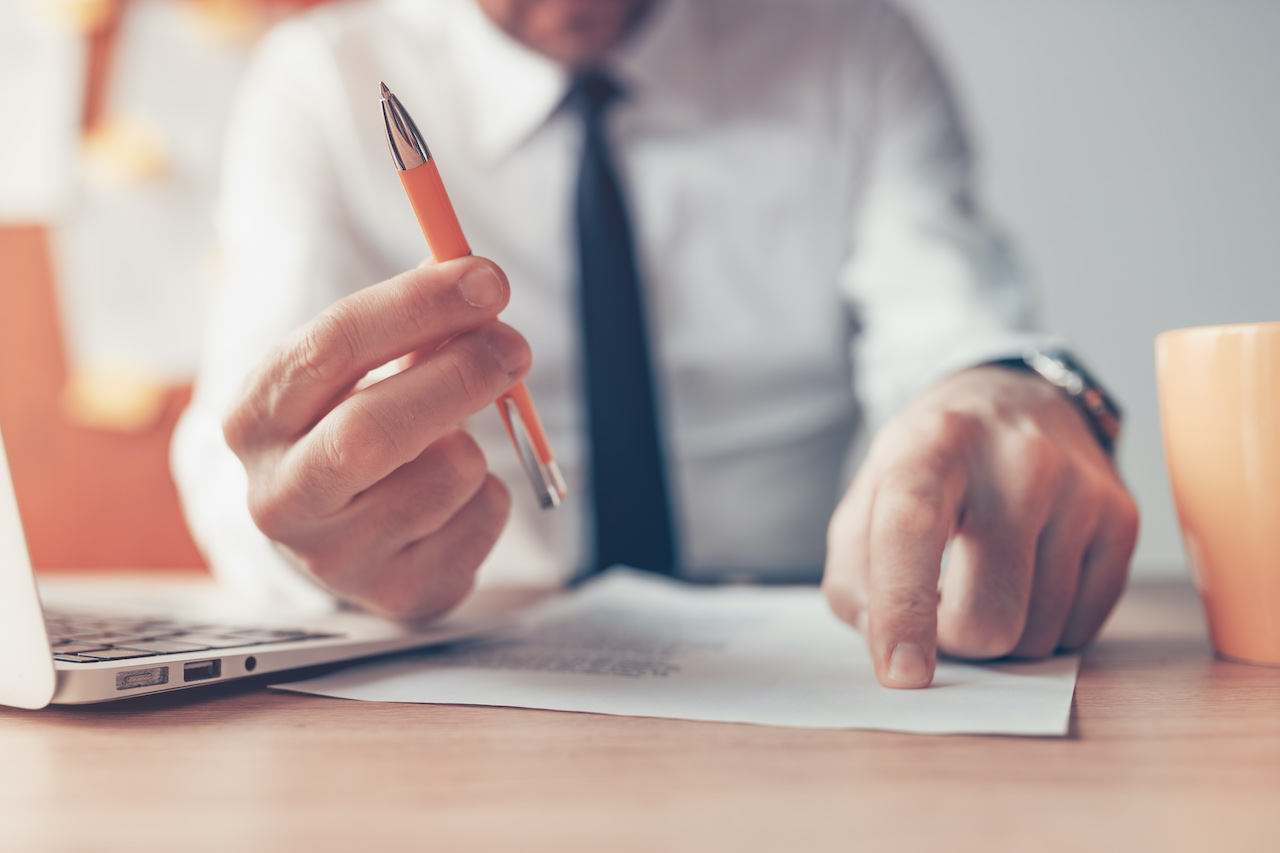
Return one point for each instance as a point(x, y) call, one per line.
point(93, 639)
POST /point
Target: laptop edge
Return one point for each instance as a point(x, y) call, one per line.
point(27, 676)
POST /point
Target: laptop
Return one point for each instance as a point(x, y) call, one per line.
point(91, 646)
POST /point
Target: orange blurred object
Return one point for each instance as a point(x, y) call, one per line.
point(89, 498)
point(1220, 410)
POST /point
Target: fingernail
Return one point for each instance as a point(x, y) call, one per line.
point(481, 288)
point(907, 665)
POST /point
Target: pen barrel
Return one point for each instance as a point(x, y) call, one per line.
point(435, 212)
point(439, 222)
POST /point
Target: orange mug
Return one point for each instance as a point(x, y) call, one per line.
point(1220, 411)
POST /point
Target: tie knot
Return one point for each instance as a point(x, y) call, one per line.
point(592, 91)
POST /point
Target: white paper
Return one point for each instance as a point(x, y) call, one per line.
point(638, 645)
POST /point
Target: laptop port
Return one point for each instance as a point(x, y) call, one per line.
point(201, 670)
point(135, 678)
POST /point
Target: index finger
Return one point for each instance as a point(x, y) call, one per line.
point(913, 513)
point(418, 309)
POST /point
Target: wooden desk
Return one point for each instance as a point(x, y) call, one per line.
point(1170, 750)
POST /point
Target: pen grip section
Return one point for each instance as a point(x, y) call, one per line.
point(435, 212)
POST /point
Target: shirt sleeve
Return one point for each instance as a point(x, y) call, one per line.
point(283, 258)
point(932, 286)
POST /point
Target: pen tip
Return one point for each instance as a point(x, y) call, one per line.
point(386, 93)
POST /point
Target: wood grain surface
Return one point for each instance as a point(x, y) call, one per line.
point(1170, 750)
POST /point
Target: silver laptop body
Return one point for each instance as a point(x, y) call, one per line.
point(98, 647)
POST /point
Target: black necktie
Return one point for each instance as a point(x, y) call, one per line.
point(632, 517)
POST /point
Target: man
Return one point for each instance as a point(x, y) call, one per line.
point(787, 187)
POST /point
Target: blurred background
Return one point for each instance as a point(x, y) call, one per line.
point(1131, 148)
point(111, 118)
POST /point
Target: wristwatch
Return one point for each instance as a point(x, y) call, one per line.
point(1100, 410)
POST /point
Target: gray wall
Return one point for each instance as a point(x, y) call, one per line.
point(1132, 149)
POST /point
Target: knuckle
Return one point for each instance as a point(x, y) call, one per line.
point(912, 510)
point(1094, 493)
point(348, 450)
point(243, 424)
point(438, 578)
point(278, 513)
point(453, 474)
point(419, 291)
point(466, 371)
point(908, 605)
point(337, 448)
point(1128, 518)
point(327, 350)
point(952, 433)
point(1038, 456)
point(269, 512)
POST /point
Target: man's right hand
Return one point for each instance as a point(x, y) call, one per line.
point(377, 491)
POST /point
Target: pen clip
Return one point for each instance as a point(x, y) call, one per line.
point(548, 485)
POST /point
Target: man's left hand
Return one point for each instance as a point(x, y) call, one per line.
point(1001, 465)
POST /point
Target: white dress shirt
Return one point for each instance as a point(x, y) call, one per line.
point(799, 188)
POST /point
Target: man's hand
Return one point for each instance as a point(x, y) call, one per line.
point(375, 490)
point(1001, 465)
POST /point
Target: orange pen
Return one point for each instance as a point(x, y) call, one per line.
point(440, 226)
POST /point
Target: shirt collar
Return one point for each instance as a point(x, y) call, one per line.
point(510, 91)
